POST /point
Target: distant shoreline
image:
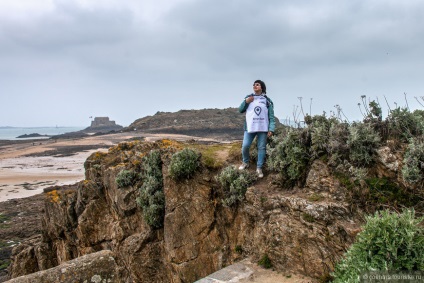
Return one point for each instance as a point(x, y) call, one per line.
point(12, 133)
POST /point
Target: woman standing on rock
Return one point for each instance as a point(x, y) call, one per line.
point(259, 123)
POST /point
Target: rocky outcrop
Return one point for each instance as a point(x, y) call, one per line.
point(20, 220)
point(99, 126)
point(215, 123)
point(297, 232)
point(96, 267)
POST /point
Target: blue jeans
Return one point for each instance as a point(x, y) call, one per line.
point(247, 142)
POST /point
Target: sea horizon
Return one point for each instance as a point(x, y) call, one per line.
point(11, 132)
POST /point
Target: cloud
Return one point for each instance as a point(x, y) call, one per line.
point(110, 57)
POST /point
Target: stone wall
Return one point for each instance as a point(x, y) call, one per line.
point(102, 122)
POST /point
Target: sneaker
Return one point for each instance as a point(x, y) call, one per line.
point(260, 173)
point(243, 166)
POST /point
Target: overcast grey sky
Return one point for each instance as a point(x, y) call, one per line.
point(62, 61)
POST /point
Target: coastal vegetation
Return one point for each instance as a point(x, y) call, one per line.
point(351, 149)
point(184, 164)
point(265, 262)
point(234, 184)
point(125, 178)
point(389, 242)
point(413, 169)
point(151, 197)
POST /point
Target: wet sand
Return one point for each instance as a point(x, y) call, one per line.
point(26, 176)
point(28, 167)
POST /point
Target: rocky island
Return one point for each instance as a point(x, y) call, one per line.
point(102, 125)
point(99, 126)
point(33, 135)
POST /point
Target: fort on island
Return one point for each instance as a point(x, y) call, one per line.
point(102, 122)
point(103, 125)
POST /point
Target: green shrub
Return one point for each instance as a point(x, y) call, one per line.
point(238, 249)
point(382, 192)
point(125, 178)
point(234, 183)
point(413, 162)
point(289, 157)
point(403, 124)
point(4, 264)
point(153, 205)
point(375, 112)
point(151, 197)
point(337, 145)
point(308, 218)
point(362, 142)
point(319, 140)
point(388, 242)
point(319, 130)
point(184, 164)
point(152, 165)
point(358, 173)
point(265, 262)
point(3, 218)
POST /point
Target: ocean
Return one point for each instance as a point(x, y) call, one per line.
point(10, 133)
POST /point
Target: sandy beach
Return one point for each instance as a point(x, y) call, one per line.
point(28, 167)
point(26, 176)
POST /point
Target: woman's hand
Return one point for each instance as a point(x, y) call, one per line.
point(270, 134)
point(249, 99)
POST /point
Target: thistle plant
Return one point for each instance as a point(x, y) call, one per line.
point(375, 111)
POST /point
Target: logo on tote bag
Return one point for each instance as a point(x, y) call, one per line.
point(258, 110)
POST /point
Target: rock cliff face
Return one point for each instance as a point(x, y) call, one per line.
point(297, 231)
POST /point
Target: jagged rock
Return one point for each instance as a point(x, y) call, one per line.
point(25, 258)
point(319, 180)
point(388, 159)
point(295, 233)
point(96, 267)
point(193, 242)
